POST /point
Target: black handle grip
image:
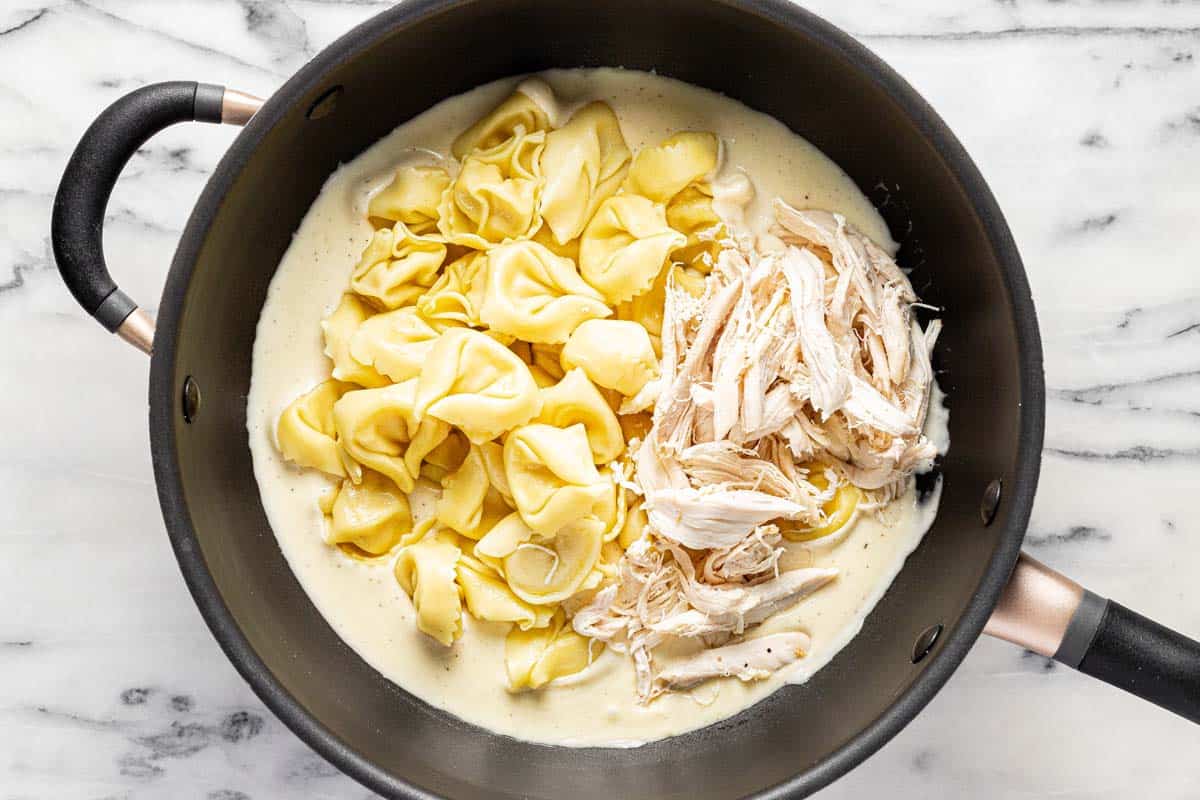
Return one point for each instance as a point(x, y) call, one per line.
point(77, 224)
point(1144, 658)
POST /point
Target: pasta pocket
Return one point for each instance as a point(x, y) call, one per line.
point(426, 571)
point(475, 383)
point(305, 433)
point(412, 198)
point(575, 399)
point(519, 113)
point(377, 429)
point(552, 477)
point(624, 247)
point(682, 159)
point(535, 657)
point(549, 570)
point(584, 163)
point(369, 516)
point(457, 295)
point(395, 343)
point(691, 213)
point(505, 537)
point(469, 503)
point(397, 266)
point(614, 353)
point(535, 295)
point(495, 197)
point(339, 328)
point(488, 598)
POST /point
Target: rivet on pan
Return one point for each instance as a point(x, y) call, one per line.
point(326, 104)
point(925, 642)
point(990, 502)
point(191, 399)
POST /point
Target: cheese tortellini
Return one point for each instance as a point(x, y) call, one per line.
point(614, 353)
point(475, 383)
point(369, 516)
point(552, 475)
point(575, 399)
point(662, 172)
point(626, 245)
point(584, 163)
point(427, 571)
point(535, 295)
point(306, 434)
point(397, 266)
point(508, 301)
point(412, 198)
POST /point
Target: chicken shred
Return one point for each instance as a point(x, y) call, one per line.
point(802, 359)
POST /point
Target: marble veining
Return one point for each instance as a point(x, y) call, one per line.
point(1082, 115)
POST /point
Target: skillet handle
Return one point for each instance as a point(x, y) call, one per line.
point(77, 223)
point(1050, 614)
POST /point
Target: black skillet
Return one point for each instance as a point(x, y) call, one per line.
point(967, 574)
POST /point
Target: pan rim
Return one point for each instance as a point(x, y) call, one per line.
point(164, 420)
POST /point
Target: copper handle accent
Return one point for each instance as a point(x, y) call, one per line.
point(236, 109)
point(1036, 607)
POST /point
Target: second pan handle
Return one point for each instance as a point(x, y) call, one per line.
point(1050, 614)
point(77, 223)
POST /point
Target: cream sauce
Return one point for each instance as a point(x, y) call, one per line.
point(363, 602)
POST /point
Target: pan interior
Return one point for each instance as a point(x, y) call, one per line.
point(400, 64)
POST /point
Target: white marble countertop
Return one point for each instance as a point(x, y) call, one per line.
point(1083, 115)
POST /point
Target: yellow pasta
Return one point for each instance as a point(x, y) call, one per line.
point(549, 570)
point(426, 571)
point(475, 383)
point(377, 429)
point(662, 172)
point(412, 198)
point(575, 399)
point(535, 657)
point(551, 476)
point(584, 163)
point(397, 267)
point(624, 247)
point(370, 516)
point(339, 329)
point(469, 504)
point(457, 295)
point(305, 433)
point(519, 113)
point(495, 196)
point(838, 512)
point(395, 343)
point(615, 354)
point(488, 598)
point(691, 213)
point(535, 295)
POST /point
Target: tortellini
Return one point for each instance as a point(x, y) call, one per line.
point(371, 515)
point(478, 385)
point(377, 429)
point(469, 503)
point(489, 598)
point(535, 295)
point(495, 196)
point(427, 573)
point(662, 172)
point(624, 247)
point(305, 432)
point(552, 476)
point(549, 570)
point(504, 309)
point(339, 328)
point(457, 295)
point(614, 353)
point(395, 344)
point(584, 163)
point(519, 113)
point(533, 658)
point(575, 399)
point(412, 198)
point(839, 512)
point(397, 266)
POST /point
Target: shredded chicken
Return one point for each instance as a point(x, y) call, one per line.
point(801, 369)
